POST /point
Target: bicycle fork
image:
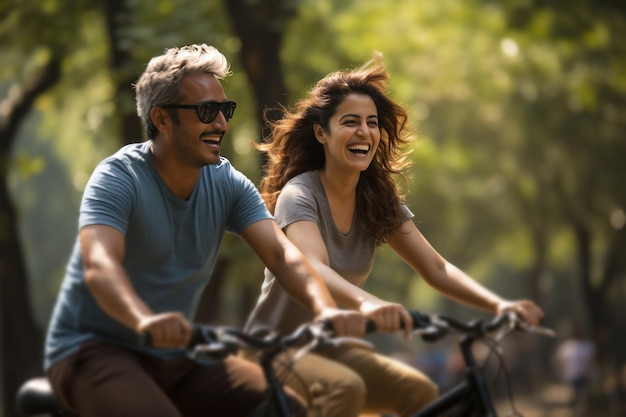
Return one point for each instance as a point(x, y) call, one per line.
point(476, 380)
point(472, 396)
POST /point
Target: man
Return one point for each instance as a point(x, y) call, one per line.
point(151, 221)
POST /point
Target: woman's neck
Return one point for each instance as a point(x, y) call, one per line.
point(339, 185)
point(341, 195)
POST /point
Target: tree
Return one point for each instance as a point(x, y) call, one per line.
point(518, 108)
point(21, 340)
point(122, 70)
point(21, 337)
point(582, 111)
point(261, 27)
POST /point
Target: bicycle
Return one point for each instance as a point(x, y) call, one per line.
point(35, 397)
point(469, 398)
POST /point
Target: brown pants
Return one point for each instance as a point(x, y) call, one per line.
point(349, 381)
point(108, 381)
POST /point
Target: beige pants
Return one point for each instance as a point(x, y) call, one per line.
point(350, 381)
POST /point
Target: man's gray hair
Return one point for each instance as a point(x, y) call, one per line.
point(159, 83)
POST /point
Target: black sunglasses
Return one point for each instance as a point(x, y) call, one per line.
point(207, 111)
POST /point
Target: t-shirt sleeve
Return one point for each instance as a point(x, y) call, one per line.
point(248, 206)
point(296, 202)
point(108, 197)
point(407, 214)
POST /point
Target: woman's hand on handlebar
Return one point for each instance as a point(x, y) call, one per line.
point(526, 309)
point(344, 322)
point(167, 330)
point(388, 317)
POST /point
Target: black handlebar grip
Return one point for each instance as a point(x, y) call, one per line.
point(145, 340)
point(370, 326)
point(420, 320)
point(197, 337)
point(326, 324)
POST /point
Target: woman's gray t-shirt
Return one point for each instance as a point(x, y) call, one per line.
point(351, 255)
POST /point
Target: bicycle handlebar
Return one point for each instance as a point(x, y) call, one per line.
point(432, 327)
point(220, 341)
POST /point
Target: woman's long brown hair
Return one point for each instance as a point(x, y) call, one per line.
point(292, 148)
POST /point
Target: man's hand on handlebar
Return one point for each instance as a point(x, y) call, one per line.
point(167, 330)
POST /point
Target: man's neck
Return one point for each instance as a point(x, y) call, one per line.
point(179, 178)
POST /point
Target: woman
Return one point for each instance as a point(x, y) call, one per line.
point(330, 184)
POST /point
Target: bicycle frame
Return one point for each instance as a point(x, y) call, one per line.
point(472, 394)
point(278, 395)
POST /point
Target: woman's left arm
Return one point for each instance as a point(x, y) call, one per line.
point(409, 243)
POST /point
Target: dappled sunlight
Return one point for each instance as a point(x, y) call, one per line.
point(243, 144)
point(509, 47)
point(618, 219)
point(79, 180)
point(518, 112)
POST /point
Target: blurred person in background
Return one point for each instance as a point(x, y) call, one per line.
point(574, 359)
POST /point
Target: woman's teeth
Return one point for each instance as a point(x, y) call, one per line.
point(359, 148)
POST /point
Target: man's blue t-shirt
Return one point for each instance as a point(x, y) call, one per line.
point(171, 244)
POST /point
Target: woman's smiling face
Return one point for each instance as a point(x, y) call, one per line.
point(353, 134)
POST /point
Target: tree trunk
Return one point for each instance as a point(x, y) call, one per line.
point(595, 300)
point(115, 12)
point(261, 27)
point(614, 269)
point(21, 340)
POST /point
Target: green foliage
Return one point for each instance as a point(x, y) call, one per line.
point(518, 108)
point(26, 166)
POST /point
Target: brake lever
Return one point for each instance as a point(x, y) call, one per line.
point(435, 329)
point(214, 350)
point(320, 330)
point(322, 337)
point(516, 322)
point(540, 330)
point(429, 334)
point(217, 344)
point(513, 322)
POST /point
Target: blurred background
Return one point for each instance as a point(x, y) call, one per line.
point(519, 109)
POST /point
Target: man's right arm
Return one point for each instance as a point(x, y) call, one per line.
point(103, 249)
